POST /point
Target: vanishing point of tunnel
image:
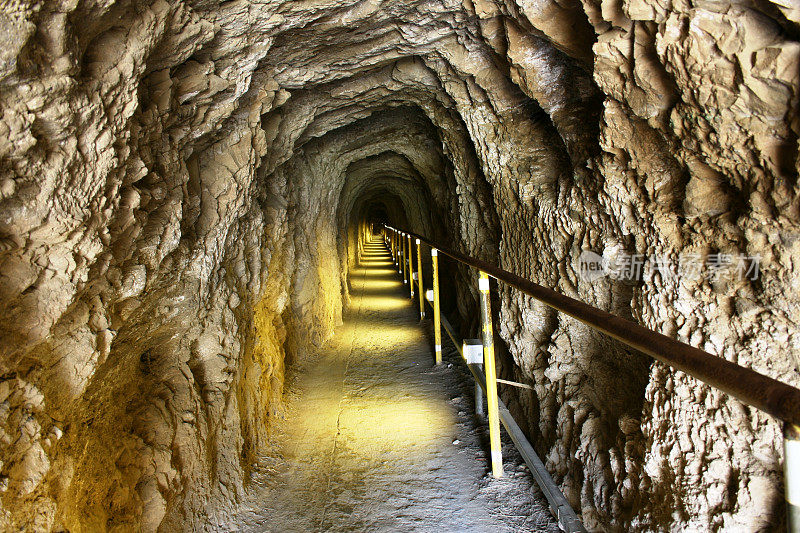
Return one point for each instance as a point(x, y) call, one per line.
point(206, 309)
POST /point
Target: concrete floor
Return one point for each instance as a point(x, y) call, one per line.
point(378, 439)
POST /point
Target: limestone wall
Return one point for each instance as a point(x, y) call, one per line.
point(179, 184)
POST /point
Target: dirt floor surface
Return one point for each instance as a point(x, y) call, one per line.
point(377, 438)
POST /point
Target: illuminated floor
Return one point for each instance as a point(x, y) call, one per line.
point(377, 439)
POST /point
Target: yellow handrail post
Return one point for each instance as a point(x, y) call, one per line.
point(791, 475)
point(405, 261)
point(437, 317)
point(491, 376)
point(403, 258)
point(406, 275)
point(410, 267)
point(398, 263)
point(421, 292)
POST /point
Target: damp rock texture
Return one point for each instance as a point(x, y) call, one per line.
point(183, 185)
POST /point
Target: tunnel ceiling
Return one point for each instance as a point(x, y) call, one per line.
point(181, 188)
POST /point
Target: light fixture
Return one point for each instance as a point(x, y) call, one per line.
point(473, 351)
point(429, 295)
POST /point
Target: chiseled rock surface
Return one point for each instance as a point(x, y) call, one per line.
point(180, 187)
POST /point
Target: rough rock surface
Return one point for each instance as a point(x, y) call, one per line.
point(180, 191)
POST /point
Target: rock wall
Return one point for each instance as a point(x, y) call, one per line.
point(181, 185)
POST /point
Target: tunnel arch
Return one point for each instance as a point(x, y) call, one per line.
point(172, 212)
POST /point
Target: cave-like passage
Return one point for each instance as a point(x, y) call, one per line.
point(377, 438)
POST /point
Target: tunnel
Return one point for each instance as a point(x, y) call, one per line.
point(208, 325)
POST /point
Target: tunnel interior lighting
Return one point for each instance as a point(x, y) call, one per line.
point(429, 295)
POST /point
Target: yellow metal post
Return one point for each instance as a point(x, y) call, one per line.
point(491, 376)
point(401, 254)
point(437, 317)
point(403, 258)
point(396, 249)
point(410, 267)
point(791, 475)
point(421, 292)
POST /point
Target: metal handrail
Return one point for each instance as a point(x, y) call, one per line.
point(748, 386)
point(568, 520)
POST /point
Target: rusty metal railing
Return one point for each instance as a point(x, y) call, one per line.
point(769, 395)
point(485, 378)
